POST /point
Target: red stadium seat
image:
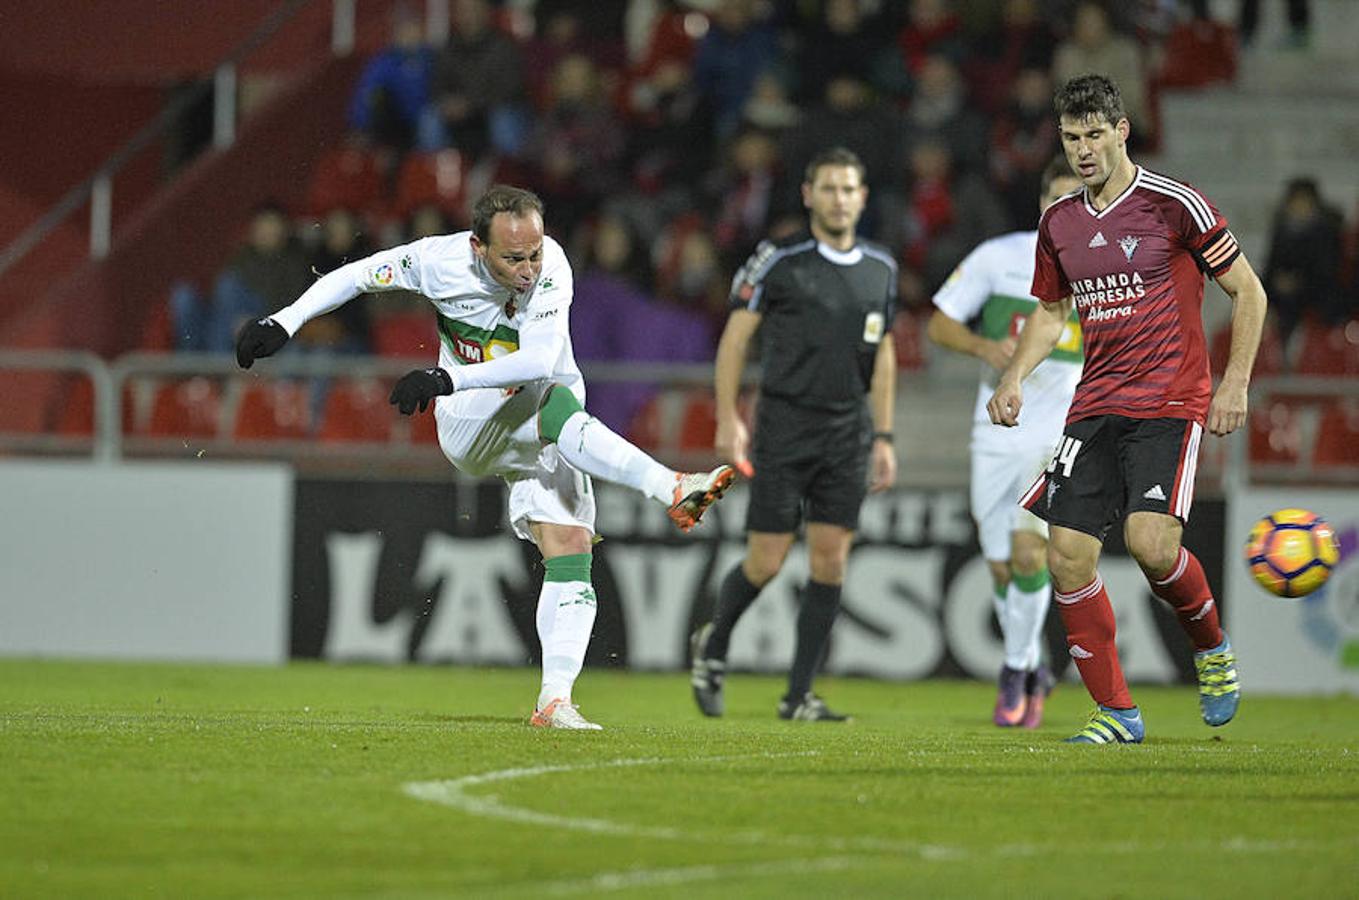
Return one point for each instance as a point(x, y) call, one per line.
point(909, 337)
point(189, 408)
point(698, 427)
point(405, 335)
point(1337, 441)
point(424, 428)
point(344, 178)
point(1329, 350)
point(357, 411)
point(438, 179)
point(647, 427)
point(1269, 361)
point(278, 410)
point(1275, 434)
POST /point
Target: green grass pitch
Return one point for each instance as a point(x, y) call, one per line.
point(332, 781)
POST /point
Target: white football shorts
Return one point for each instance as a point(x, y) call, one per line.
point(999, 476)
point(490, 431)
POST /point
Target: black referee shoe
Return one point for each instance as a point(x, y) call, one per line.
point(810, 708)
point(707, 674)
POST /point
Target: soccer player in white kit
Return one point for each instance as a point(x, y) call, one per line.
point(992, 285)
point(509, 401)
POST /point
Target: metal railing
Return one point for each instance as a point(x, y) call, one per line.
point(117, 433)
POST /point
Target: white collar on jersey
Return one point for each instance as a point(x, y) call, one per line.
point(840, 257)
point(1127, 192)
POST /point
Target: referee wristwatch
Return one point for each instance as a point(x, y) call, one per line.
point(887, 436)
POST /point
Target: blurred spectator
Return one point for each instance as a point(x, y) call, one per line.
point(579, 143)
point(728, 59)
point(1299, 23)
point(939, 111)
point(937, 219)
point(614, 319)
point(742, 193)
point(689, 274)
point(1023, 139)
point(931, 29)
point(393, 88)
point(1302, 274)
point(349, 329)
point(844, 41)
point(769, 107)
point(561, 32)
point(849, 117)
point(1094, 46)
point(477, 89)
point(1021, 40)
point(671, 137)
point(267, 273)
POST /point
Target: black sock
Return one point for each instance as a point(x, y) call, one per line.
point(733, 599)
point(820, 603)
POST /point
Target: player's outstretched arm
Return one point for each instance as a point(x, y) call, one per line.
point(732, 440)
point(1042, 329)
point(1228, 410)
point(954, 335)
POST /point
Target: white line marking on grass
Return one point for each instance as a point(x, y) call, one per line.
point(648, 878)
point(454, 793)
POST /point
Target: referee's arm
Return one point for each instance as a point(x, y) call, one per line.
point(732, 439)
point(881, 403)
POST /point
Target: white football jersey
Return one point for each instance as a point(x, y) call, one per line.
point(479, 320)
point(992, 285)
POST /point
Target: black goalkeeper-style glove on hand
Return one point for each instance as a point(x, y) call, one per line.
point(418, 388)
point(259, 338)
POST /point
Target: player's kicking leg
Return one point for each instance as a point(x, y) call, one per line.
point(590, 446)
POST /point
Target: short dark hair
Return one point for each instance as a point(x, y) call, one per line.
point(502, 198)
point(1089, 95)
point(835, 156)
point(1057, 167)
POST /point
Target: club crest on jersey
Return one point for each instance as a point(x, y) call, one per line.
point(1097, 241)
point(1129, 244)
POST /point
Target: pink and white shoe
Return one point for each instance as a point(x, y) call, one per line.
point(562, 713)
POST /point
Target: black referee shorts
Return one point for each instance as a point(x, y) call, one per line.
point(810, 465)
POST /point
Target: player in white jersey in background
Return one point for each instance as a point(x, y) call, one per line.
point(509, 401)
point(992, 286)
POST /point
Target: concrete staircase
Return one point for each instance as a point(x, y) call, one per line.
point(1291, 113)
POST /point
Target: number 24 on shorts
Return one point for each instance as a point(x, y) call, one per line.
point(1065, 455)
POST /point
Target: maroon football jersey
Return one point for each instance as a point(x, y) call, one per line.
point(1135, 272)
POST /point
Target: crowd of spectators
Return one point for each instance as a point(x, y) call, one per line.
point(667, 138)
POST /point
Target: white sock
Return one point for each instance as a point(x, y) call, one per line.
point(589, 445)
point(1023, 627)
point(566, 616)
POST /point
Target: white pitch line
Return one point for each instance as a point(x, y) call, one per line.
point(454, 793)
point(648, 878)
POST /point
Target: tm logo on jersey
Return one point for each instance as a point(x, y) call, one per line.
point(467, 351)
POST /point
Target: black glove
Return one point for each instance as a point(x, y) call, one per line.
point(418, 388)
point(259, 338)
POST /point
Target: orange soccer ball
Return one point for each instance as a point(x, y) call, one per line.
point(1292, 552)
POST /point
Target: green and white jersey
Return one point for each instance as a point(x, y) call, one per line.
point(489, 335)
point(992, 286)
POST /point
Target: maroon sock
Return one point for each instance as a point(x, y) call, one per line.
point(1186, 589)
point(1089, 621)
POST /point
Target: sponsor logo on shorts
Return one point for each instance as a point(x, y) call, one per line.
point(1155, 493)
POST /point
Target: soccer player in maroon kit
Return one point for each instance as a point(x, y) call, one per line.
point(1130, 250)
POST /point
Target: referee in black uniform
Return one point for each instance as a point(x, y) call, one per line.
point(826, 300)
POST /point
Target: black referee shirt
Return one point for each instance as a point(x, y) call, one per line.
point(824, 312)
